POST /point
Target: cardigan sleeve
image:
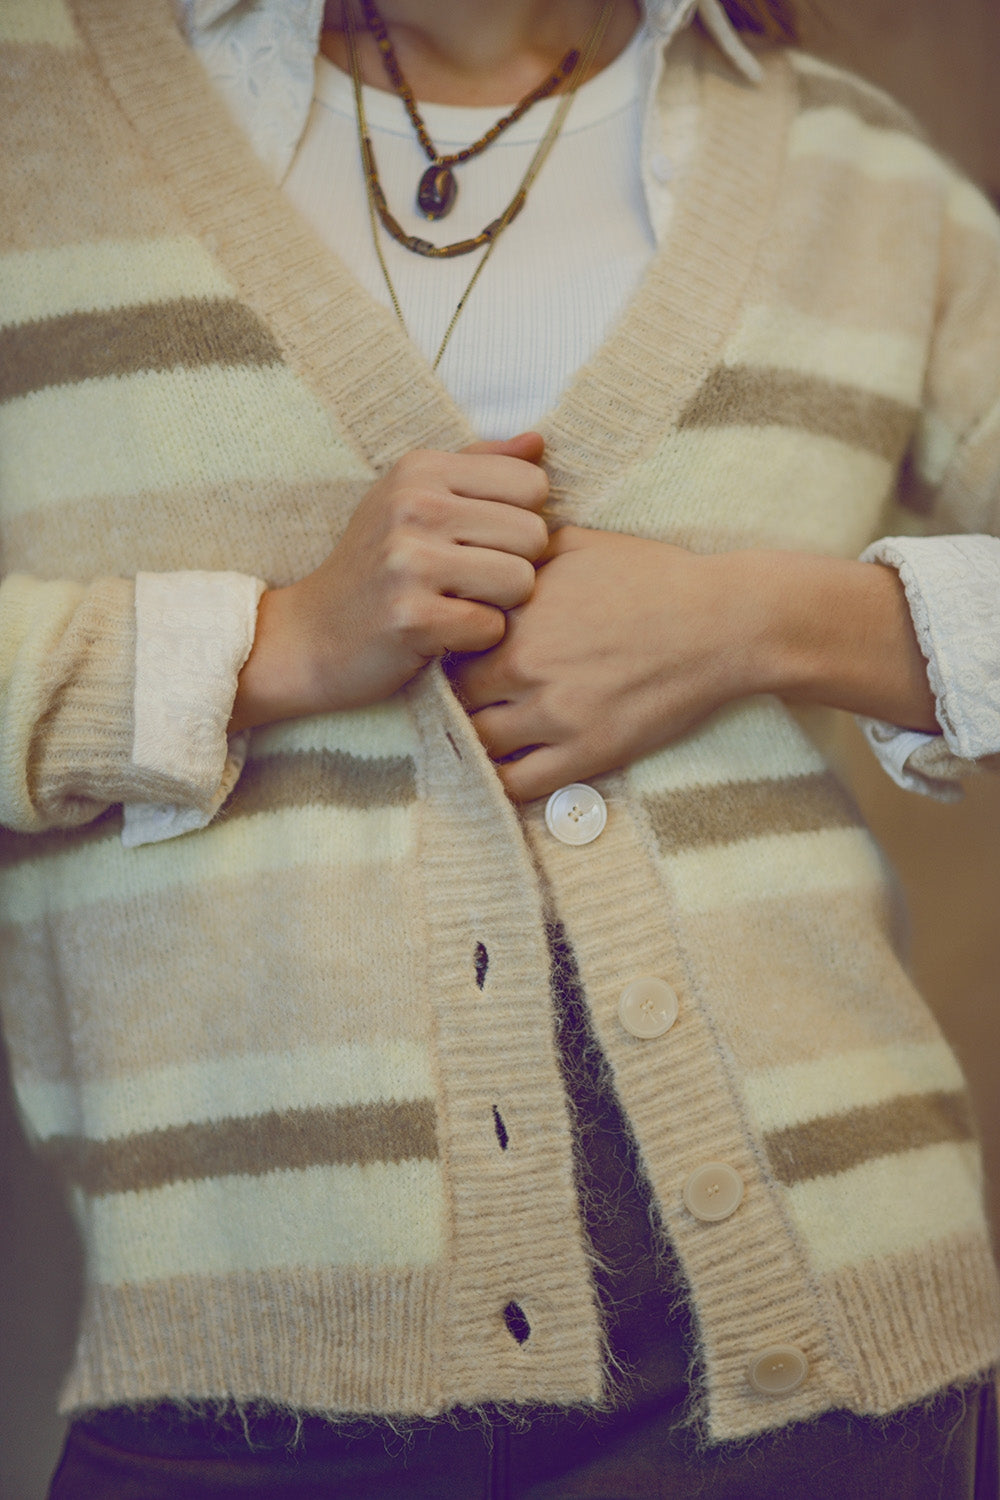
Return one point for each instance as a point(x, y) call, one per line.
point(71, 743)
point(952, 581)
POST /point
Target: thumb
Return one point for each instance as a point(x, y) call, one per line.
point(527, 445)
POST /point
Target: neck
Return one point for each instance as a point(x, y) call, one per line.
point(472, 52)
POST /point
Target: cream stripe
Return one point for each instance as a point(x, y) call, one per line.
point(971, 209)
point(383, 1214)
point(780, 1097)
point(782, 337)
point(242, 848)
point(768, 486)
point(767, 868)
point(154, 430)
point(386, 729)
point(65, 279)
point(934, 448)
point(889, 1205)
point(155, 1099)
point(754, 740)
point(30, 21)
point(882, 155)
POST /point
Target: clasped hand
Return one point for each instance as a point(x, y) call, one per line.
point(623, 645)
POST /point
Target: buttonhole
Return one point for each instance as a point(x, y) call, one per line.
point(500, 1128)
point(517, 1324)
point(482, 962)
point(448, 737)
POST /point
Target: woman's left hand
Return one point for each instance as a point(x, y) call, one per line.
point(624, 645)
point(627, 643)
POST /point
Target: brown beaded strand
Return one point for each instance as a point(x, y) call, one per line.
point(437, 189)
point(585, 55)
point(376, 198)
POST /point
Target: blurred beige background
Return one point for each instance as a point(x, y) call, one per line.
point(944, 61)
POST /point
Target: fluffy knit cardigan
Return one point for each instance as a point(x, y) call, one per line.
point(299, 1067)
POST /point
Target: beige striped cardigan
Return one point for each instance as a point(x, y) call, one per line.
point(267, 1055)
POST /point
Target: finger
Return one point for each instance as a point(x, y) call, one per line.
point(506, 728)
point(504, 528)
point(543, 771)
point(496, 476)
point(527, 445)
point(464, 625)
point(502, 579)
point(478, 681)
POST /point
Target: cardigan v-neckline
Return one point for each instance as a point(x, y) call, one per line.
point(352, 352)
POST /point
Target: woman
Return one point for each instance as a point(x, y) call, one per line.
point(338, 1170)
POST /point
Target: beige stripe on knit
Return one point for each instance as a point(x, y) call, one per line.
point(294, 1334)
point(287, 528)
point(321, 778)
point(734, 811)
point(826, 88)
point(186, 333)
point(176, 427)
point(247, 1146)
point(821, 1147)
point(74, 131)
point(382, 1214)
point(38, 22)
point(747, 396)
point(830, 222)
point(859, 1026)
point(930, 1308)
point(126, 1022)
point(889, 1205)
point(290, 837)
point(52, 281)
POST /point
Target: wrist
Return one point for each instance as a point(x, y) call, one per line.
point(276, 680)
point(837, 632)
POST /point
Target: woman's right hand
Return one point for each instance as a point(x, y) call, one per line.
point(435, 553)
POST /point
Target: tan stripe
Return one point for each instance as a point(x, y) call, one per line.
point(303, 778)
point(249, 1147)
point(324, 778)
point(16, 848)
point(188, 332)
point(839, 1142)
point(287, 528)
point(37, 22)
point(827, 91)
point(741, 396)
point(727, 813)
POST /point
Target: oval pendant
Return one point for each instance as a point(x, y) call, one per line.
point(437, 192)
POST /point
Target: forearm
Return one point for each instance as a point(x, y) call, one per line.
point(832, 631)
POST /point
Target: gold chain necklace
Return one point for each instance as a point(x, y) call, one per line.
point(437, 188)
point(377, 209)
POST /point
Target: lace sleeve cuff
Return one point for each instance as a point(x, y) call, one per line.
point(952, 586)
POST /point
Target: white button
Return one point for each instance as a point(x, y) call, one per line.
point(647, 1007)
point(713, 1191)
point(576, 814)
point(776, 1371)
point(661, 167)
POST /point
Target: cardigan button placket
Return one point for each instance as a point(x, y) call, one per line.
point(713, 1192)
point(576, 814)
point(778, 1370)
point(648, 1007)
